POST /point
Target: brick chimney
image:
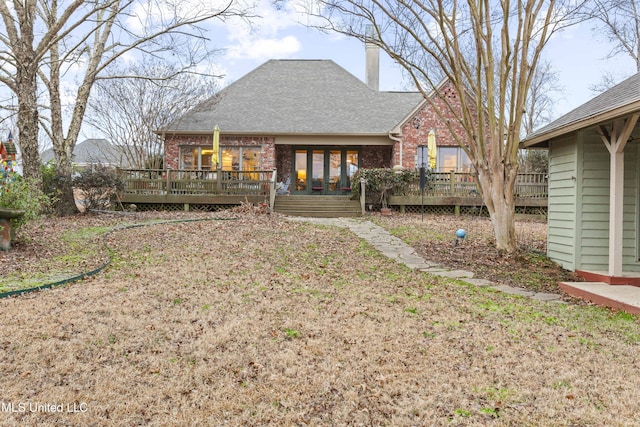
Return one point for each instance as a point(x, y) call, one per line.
point(372, 71)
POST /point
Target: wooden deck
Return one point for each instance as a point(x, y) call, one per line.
point(189, 187)
point(459, 189)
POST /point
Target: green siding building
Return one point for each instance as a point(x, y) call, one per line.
point(594, 186)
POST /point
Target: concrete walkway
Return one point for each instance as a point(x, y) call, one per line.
point(396, 249)
point(618, 297)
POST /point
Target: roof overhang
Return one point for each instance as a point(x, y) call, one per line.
point(542, 140)
point(167, 133)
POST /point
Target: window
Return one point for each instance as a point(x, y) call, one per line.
point(452, 158)
point(195, 158)
point(231, 158)
point(240, 158)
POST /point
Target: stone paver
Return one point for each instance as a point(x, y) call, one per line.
point(513, 291)
point(480, 282)
point(394, 248)
point(454, 274)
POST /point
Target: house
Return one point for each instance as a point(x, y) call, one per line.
point(91, 152)
point(312, 121)
point(594, 186)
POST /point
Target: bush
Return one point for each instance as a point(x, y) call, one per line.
point(383, 182)
point(23, 195)
point(51, 183)
point(99, 185)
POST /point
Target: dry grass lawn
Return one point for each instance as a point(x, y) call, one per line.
point(261, 321)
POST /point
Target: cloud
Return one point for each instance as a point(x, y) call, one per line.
point(265, 48)
point(270, 35)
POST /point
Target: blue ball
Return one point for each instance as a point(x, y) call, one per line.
point(461, 234)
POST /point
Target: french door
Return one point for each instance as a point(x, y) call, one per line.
point(324, 170)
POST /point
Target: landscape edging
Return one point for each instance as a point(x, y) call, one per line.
point(97, 270)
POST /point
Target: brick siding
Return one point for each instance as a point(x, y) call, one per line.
point(428, 119)
point(172, 147)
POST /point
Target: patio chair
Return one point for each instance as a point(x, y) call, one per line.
point(282, 188)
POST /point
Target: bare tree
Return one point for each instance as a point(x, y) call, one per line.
point(44, 41)
point(607, 81)
point(128, 110)
point(539, 110)
point(489, 50)
point(539, 106)
point(619, 22)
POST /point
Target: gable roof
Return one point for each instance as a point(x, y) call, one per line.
point(8, 148)
point(91, 151)
point(299, 97)
point(621, 100)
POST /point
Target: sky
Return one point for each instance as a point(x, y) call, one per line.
point(576, 54)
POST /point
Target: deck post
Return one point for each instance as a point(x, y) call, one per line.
point(452, 183)
point(272, 190)
point(363, 196)
point(167, 189)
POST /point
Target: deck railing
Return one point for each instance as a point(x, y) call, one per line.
point(462, 184)
point(262, 183)
point(196, 182)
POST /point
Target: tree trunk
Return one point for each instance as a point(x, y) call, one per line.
point(28, 142)
point(28, 125)
point(497, 194)
point(66, 204)
point(62, 147)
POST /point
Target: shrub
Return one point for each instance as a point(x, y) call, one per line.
point(51, 183)
point(23, 195)
point(383, 182)
point(99, 185)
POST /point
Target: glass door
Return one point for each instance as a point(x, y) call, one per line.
point(300, 171)
point(317, 172)
point(352, 165)
point(334, 162)
point(324, 170)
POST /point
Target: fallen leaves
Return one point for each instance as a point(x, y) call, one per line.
point(255, 320)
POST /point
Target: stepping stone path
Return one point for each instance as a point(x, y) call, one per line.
point(396, 249)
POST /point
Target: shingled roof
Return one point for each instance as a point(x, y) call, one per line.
point(619, 101)
point(299, 97)
point(91, 151)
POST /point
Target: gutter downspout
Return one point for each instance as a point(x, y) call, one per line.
point(398, 139)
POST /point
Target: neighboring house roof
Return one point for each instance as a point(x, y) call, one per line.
point(622, 99)
point(299, 97)
point(91, 151)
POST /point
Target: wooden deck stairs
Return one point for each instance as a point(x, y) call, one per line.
point(317, 206)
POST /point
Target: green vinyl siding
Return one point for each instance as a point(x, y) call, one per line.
point(593, 196)
point(630, 237)
point(562, 203)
